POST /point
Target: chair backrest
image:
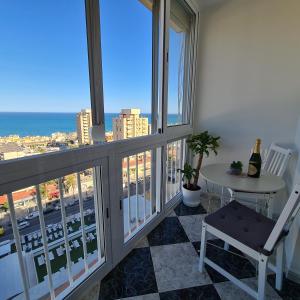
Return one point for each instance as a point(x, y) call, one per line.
point(286, 218)
point(277, 160)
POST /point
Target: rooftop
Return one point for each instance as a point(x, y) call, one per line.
point(10, 147)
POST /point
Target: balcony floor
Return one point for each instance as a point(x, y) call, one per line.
point(165, 265)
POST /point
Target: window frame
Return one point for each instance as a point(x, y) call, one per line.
point(189, 69)
point(17, 173)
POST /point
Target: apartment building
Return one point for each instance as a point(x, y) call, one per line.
point(10, 151)
point(130, 124)
point(84, 123)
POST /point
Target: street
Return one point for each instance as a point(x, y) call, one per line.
point(50, 218)
point(55, 216)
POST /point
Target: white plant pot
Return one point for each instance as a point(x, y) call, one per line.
point(191, 198)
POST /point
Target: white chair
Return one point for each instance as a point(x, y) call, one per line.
point(276, 160)
point(275, 163)
point(255, 235)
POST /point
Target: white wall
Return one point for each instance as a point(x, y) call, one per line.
point(249, 79)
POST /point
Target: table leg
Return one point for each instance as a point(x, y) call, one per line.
point(232, 195)
point(206, 186)
point(269, 205)
point(222, 197)
point(256, 205)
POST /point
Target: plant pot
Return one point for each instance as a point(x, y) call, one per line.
point(235, 171)
point(191, 198)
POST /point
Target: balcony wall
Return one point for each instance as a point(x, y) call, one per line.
point(248, 84)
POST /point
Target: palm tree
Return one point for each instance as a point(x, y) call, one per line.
point(43, 189)
point(5, 206)
point(70, 182)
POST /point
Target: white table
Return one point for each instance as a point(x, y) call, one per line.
point(266, 184)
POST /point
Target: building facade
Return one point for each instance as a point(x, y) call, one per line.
point(129, 124)
point(10, 151)
point(84, 123)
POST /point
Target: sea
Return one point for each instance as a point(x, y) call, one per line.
point(44, 124)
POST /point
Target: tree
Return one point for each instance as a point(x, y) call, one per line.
point(200, 144)
point(187, 174)
point(5, 206)
point(43, 190)
point(70, 183)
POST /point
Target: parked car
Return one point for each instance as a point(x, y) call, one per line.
point(21, 219)
point(2, 230)
point(48, 210)
point(23, 224)
point(32, 215)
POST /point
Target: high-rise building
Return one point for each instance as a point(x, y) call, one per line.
point(84, 123)
point(129, 124)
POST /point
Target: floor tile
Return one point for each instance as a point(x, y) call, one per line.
point(205, 292)
point(236, 265)
point(290, 290)
point(192, 226)
point(169, 231)
point(143, 297)
point(172, 214)
point(176, 267)
point(183, 210)
point(228, 290)
point(210, 202)
point(142, 243)
point(133, 276)
point(219, 243)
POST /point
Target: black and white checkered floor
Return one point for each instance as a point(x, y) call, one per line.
point(165, 266)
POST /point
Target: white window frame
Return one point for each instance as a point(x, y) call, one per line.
point(27, 171)
point(191, 51)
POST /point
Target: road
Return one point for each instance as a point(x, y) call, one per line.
point(55, 216)
point(50, 218)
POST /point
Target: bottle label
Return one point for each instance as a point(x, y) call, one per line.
point(252, 170)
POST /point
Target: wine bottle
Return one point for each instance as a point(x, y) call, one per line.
point(255, 161)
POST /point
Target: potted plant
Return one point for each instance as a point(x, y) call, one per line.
point(236, 168)
point(200, 144)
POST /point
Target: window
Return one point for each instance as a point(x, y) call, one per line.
point(96, 201)
point(139, 205)
point(179, 59)
point(175, 160)
point(72, 216)
point(44, 81)
point(126, 41)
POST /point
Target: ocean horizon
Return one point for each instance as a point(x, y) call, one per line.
point(46, 123)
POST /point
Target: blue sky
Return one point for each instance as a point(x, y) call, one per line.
point(43, 56)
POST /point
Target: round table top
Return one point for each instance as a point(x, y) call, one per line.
point(218, 174)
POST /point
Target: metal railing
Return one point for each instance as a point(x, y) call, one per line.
point(40, 257)
point(138, 201)
point(53, 264)
point(175, 158)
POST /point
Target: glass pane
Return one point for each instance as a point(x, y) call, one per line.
point(59, 197)
point(175, 154)
point(179, 48)
point(44, 79)
point(139, 201)
point(126, 41)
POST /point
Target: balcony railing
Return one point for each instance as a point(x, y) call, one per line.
point(175, 155)
point(85, 209)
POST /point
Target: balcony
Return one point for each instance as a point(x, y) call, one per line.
point(164, 264)
point(107, 221)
